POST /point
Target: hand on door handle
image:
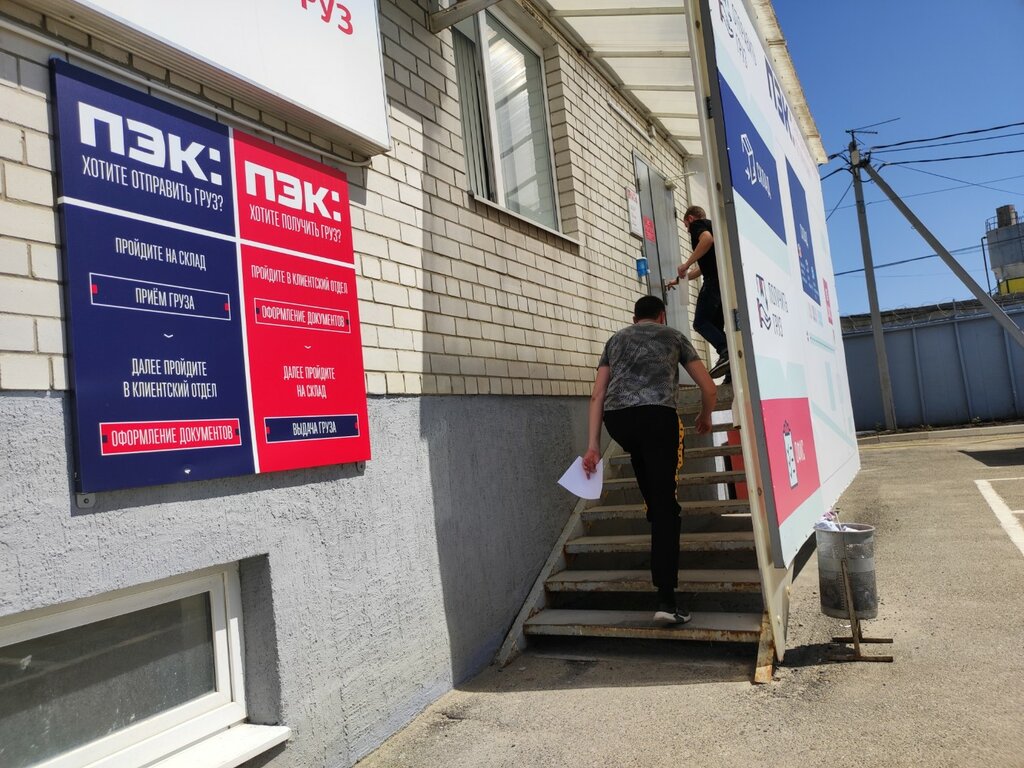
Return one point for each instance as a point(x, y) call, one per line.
point(669, 285)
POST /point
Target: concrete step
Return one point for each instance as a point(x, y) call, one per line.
point(712, 541)
point(719, 428)
point(688, 399)
point(637, 512)
point(712, 452)
point(640, 581)
point(685, 478)
point(720, 627)
point(692, 409)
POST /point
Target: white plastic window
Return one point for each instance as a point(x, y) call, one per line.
point(505, 118)
point(122, 680)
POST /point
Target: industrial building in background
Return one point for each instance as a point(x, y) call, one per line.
point(1004, 234)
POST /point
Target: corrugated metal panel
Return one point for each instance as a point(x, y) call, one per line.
point(943, 373)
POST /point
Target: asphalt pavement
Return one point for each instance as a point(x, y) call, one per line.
point(951, 588)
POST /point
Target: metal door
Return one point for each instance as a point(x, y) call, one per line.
point(661, 239)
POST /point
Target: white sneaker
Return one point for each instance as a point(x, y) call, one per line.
point(671, 616)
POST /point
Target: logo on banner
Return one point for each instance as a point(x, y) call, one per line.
point(771, 304)
point(778, 99)
point(147, 144)
point(752, 164)
point(756, 174)
point(792, 457)
point(737, 31)
point(764, 317)
point(804, 244)
point(291, 192)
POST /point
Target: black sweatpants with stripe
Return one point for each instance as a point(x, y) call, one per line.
point(652, 435)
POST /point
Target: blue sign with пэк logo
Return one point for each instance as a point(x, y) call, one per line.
point(752, 165)
point(127, 151)
point(153, 306)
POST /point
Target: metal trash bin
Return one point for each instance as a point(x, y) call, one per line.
point(856, 543)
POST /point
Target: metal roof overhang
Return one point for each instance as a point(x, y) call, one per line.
point(642, 47)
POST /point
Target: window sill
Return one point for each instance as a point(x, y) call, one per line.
point(525, 219)
point(229, 748)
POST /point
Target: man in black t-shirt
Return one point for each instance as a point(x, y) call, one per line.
point(708, 319)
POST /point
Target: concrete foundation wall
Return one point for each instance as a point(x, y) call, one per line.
point(366, 594)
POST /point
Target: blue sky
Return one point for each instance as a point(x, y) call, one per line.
point(941, 67)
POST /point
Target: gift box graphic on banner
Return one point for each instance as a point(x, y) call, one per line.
point(792, 458)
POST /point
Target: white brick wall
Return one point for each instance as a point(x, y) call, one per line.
point(455, 296)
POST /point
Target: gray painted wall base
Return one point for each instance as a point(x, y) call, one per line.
point(366, 594)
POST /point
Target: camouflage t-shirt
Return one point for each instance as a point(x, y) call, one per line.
point(644, 359)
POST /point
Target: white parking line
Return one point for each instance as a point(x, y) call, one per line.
point(1006, 516)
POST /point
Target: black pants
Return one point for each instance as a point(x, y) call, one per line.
point(652, 435)
point(708, 319)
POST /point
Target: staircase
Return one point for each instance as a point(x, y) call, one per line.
point(597, 581)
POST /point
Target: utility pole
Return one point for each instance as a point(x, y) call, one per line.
point(984, 258)
point(1014, 332)
point(869, 273)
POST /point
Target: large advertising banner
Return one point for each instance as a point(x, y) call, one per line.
point(211, 298)
point(781, 262)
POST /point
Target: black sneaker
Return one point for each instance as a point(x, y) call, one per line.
point(670, 614)
point(721, 367)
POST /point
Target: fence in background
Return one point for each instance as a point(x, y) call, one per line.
point(945, 372)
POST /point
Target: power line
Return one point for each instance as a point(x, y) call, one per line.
point(949, 143)
point(916, 276)
point(963, 185)
point(833, 173)
point(947, 136)
point(864, 128)
point(965, 249)
point(960, 157)
point(890, 264)
point(981, 185)
point(836, 208)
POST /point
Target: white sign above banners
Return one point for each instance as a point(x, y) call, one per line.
point(322, 57)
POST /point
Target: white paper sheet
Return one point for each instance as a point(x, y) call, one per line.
point(575, 480)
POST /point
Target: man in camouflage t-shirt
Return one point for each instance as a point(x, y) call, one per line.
point(635, 394)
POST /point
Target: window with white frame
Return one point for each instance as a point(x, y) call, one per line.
point(122, 680)
point(505, 117)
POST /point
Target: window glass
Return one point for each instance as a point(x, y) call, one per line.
point(517, 82)
point(65, 689)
